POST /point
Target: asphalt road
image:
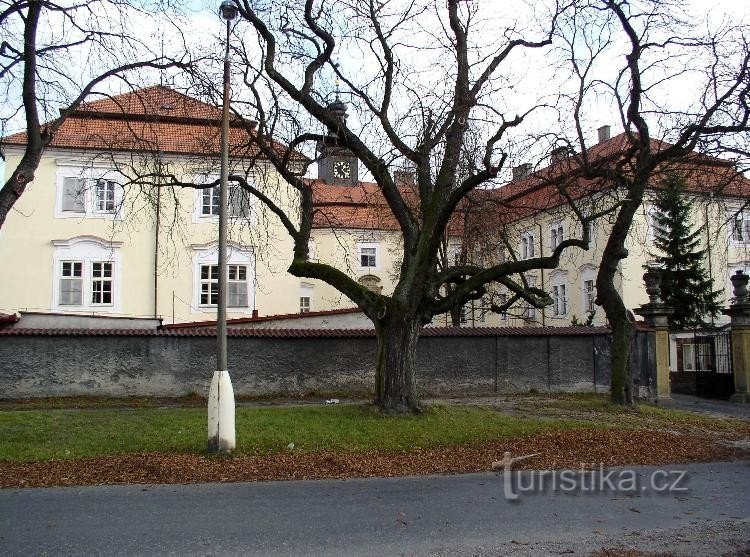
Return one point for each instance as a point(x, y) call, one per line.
point(437, 515)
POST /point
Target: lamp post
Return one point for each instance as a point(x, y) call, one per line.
point(221, 425)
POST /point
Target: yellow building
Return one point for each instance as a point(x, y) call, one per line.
point(93, 234)
point(101, 232)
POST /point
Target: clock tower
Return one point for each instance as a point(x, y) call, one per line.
point(337, 164)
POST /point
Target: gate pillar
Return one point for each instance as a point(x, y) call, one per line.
point(657, 313)
point(739, 313)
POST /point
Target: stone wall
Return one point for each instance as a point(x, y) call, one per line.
point(282, 362)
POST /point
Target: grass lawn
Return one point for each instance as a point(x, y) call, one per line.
point(31, 435)
point(45, 434)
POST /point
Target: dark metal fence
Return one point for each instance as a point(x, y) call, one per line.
point(704, 363)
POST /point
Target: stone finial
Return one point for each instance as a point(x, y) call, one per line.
point(652, 278)
point(739, 286)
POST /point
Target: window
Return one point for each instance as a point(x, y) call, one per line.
point(209, 285)
point(556, 235)
point(240, 279)
point(527, 245)
point(560, 300)
point(368, 256)
point(740, 227)
point(237, 287)
point(82, 195)
point(503, 299)
point(105, 196)
point(529, 312)
point(688, 357)
point(696, 357)
point(86, 275)
point(305, 298)
point(589, 295)
point(462, 315)
point(101, 283)
point(71, 283)
point(208, 201)
point(101, 280)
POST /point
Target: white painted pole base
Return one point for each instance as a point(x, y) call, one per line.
point(221, 430)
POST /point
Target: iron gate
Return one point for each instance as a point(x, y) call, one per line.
point(712, 363)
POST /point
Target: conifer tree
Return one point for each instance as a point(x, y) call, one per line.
point(685, 283)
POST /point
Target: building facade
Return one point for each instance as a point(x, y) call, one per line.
point(112, 225)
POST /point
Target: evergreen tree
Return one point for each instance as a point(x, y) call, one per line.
point(685, 283)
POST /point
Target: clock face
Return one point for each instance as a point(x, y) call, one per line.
point(341, 169)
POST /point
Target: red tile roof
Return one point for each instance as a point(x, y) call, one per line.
point(313, 333)
point(363, 206)
point(263, 319)
point(152, 119)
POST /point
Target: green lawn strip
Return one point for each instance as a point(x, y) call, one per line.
point(41, 435)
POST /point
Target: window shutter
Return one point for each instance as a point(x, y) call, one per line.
point(72, 198)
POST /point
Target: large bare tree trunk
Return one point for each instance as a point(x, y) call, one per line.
point(395, 377)
point(622, 385)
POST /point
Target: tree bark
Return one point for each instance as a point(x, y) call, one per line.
point(395, 377)
point(622, 385)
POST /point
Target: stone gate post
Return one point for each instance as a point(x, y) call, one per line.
point(739, 313)
point(656, 313)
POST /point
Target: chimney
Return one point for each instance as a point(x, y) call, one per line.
point(404, 177)
point(521, 171)
point(604, 133)
point(559, 154)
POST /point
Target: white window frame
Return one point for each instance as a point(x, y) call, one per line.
point(200, 217)
point(528, 245)
point(368, 245)
point(102, 273)
point(557, 234)
point(88, 250)
point(589, 295)
point(209, 255)
point(742, 217)
point(306, 293)
point(560, 299)
point(91, 176)
point(529, 311)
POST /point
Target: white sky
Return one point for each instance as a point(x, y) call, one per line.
point(202, 28)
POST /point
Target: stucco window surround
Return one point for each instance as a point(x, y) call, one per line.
point(206, 201)
point(88, 192)
point(588, 287)
point(368, 256)
point(86, 275)
point(306, 297)
point(240, 279)
point(559, 290)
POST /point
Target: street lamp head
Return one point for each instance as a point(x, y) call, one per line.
point(228, 10)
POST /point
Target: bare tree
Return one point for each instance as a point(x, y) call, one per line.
point(417, 76)
point(53, 55)
point(677, 85)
